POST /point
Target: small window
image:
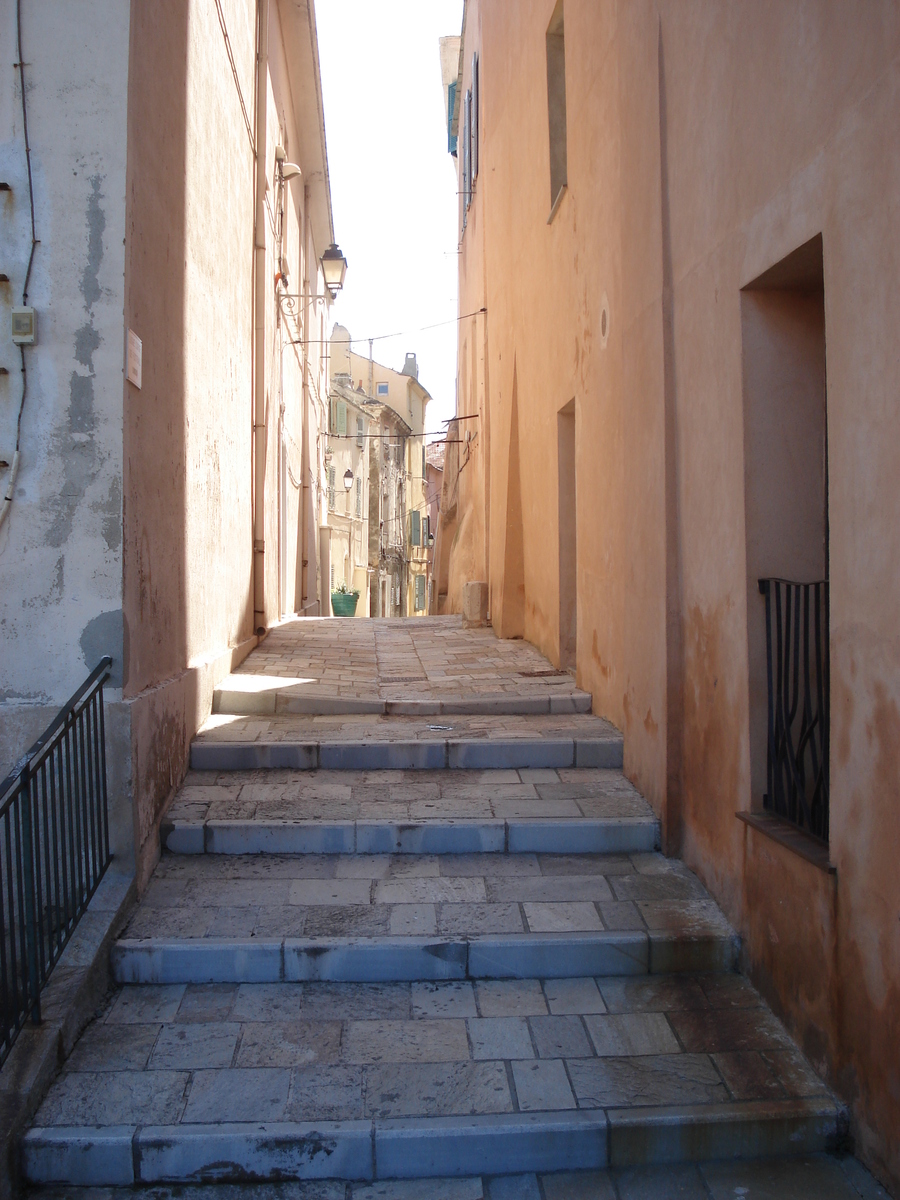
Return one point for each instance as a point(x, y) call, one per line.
point(556, 103)
point(381, 389)
point(420, 593)
point(360, 439)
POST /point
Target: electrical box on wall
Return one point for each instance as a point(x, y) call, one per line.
point(24, 326)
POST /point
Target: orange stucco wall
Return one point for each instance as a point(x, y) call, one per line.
point(706, 143)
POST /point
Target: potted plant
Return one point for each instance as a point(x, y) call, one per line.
point(344, 601)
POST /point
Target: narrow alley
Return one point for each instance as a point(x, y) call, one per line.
point(411, 919)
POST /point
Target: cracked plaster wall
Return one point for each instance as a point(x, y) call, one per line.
point(61, 546)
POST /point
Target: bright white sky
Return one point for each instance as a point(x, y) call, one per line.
point(393, 184)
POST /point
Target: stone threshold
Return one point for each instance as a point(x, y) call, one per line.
point(412, 755)
point(569, 835)
point(383, 959)
point(367, 1150)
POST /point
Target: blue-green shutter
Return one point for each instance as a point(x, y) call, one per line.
point(414, 528)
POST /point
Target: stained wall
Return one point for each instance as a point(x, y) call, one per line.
point(706, 143)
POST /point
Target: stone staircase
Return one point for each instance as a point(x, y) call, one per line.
point(383, 946)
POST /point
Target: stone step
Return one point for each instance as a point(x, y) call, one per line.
point(266, 695)
point(797, 1177)
point(219, 918)
point(428, 812)
point(372, 743)
point(359, 1082)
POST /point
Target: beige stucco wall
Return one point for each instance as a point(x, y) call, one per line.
point(705, 143)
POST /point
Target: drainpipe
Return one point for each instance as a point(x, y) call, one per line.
point(305, 456)
point(259, 328)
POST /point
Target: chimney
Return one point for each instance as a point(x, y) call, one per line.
point(411, 367)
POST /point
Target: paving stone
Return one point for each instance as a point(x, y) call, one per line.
point(450, 999)
point(326, 1093)
point(794, 1073)
point(560, 1037)
point(580, 1185)
point(563, 888)
point(500, 1038)
point(658, 993)
point(708, 1030)
point(461, 920)
point(648, 1080)
point(113, 1048)
point(748, 1076)
point(436, 1089)
point(493, 865)
point(672, 1182)
point(425, 1040)
point(430, 891)
point(566, 996)
point(348, 921)
point(268, 1002)
point(185, 1047)
point(420, 1189)
point(107, 1098)
point(237, 1094)
point(514, 1187)
point(413, 920)
point(729, 991)
point(620, 914)
point(147, 1004)
point(331, 892)
point(510, 998)
point(562, 918)
point(542, 1085)
point(631, 1034)
point(289, 1043)
point(808, 1178)
point(356, 1001)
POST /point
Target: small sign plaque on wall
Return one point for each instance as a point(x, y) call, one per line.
point(133, 354)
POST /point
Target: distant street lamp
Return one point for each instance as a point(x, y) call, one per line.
point(348, 479)
point(334, 268)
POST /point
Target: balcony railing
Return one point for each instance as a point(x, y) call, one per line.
point(54, 850)
point(799, 703)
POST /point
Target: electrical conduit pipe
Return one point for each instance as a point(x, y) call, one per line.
point(259, 328)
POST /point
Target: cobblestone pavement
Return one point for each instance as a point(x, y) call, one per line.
point(424, 658)
point(449, 895)
point(188, 1054)
point(348, 727)
point(814, 1177)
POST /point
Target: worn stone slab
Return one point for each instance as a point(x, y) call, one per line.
point(371, 961)
point(611, 835)
point(580, 995)
point(657, 1079)
point(498, 1145)
point(272, 837)
point(627, 1034)
point(547, 956)
point(694, 1132)
point(500, 1038)
point(238, 1094)
point(425, 1090)
point(78, 1156)
point(542, 1086)
point(273, 1150)
point(199, 960)
point(443, 999)
point(433, 837)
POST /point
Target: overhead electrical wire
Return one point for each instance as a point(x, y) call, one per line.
point(381, 337)
point(14, 467)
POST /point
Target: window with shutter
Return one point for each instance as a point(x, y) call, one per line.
point(359, 432)
point(359, 497)
point(414, 528)
point(474, 118)
point(331, 488)
point(420, 593)
point(332, 416)
point(341, 418)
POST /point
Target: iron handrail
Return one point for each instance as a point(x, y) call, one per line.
point(54, 849)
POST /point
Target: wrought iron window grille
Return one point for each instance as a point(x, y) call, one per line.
point(54, 849)
point(797, 662)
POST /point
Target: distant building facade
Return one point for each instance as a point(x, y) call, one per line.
point(395, 405)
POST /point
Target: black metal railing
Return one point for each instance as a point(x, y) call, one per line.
point(54, 849)
point(799, 702)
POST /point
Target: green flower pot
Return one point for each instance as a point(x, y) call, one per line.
point(343, 604)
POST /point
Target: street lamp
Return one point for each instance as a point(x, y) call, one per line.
point(334, 268)
point(348, 479)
